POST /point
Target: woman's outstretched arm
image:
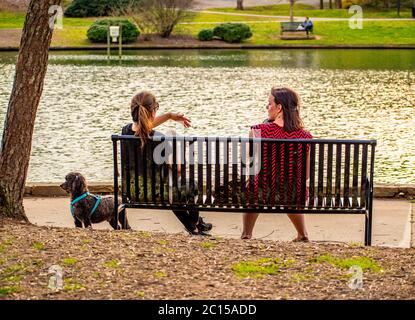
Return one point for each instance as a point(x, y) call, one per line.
point(179, 117)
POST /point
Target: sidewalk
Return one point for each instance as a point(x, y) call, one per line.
point(391, 222)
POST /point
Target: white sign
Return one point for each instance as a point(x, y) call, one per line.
point(114, 33)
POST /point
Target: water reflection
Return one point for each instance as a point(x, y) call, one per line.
point(86, 99)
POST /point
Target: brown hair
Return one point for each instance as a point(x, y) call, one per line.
point(290, 102)
point(142, 106)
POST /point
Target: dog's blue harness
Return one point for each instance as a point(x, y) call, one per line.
point(97, 203)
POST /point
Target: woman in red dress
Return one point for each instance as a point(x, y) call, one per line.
point(284, 122)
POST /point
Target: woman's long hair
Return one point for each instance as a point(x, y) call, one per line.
point(290, 102)
point(142, 106)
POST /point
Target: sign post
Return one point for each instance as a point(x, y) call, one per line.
point(114, 33)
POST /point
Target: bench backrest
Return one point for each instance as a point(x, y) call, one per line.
point(212, 173)
point(290, 26)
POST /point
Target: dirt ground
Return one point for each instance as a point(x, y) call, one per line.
point(103, 264)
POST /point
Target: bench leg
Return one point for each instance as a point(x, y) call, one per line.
point(368, 228)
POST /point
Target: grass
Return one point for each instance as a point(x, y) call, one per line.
point(38, 245)
point(72, 285)
point(139, 294)
point(364, 263)
point(260, 267)
point(329, 33)
point(303, 10)
point(160, 274)
point(113, 264)
point(6, 290)
point(207, 245)
point(69, 261)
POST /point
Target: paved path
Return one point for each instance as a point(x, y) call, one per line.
point(205, 4)
point(391, 227)
point(300, 18)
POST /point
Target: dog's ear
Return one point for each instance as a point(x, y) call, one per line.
point(79, 184)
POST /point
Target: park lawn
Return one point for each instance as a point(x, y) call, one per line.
point(303, 10)
point(329, 33)
point(15, 20)
point(266, 31)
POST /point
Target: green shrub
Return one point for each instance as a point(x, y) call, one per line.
point(98, 31)
point(205, 35)
point(232, 32)
point(94, 8)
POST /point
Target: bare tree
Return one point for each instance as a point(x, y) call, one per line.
point(27, 90)
point(239, 4)
point(159, 16)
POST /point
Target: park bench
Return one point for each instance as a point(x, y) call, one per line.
point(292, 27)
point(210, 174)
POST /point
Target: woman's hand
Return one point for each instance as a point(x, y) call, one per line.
point(179, 117)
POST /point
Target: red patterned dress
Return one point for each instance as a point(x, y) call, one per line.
point(284, 174)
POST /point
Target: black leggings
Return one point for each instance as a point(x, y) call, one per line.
point(189, 218)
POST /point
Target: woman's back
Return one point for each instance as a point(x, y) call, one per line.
point(280, 175)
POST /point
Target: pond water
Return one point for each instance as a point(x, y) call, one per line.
point(353, 94)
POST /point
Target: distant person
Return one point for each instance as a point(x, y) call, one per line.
point(307, 25)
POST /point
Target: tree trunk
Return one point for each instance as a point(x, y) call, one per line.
point(338, 4)
point(398, 8)
point(331, 4)
point(239, 4)
point(321, 4)
point(21, 113)
point(292, 10)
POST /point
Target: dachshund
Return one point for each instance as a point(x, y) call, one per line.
point(87, 208)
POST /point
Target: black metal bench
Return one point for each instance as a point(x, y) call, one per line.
point(210, 174)
point(292, 27)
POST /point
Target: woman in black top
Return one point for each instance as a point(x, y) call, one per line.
point(144, 107)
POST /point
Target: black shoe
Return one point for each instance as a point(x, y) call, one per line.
point(203, 226)
point(197, 232)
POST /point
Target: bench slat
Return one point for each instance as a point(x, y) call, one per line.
point(225, 169)
point(355, 191)
point(217, 170)
point(235, 172)
point(191, 158)
point(346, 186)
point(200, 172)
point(243, 174)
point(136, 175)
point(208, 174)
point(312, 172)
point(303, 174)
point(329, 181)
point(363, 185)
point(338, 174)
point(320, 191)
point(294, 153)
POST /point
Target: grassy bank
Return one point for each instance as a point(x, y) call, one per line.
point(266, 32)
point(142, 265)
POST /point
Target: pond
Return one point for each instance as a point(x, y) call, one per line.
point(353, 94)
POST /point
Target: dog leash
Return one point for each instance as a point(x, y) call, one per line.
point(97, 203)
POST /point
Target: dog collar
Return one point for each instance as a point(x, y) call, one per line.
point(83, 196)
